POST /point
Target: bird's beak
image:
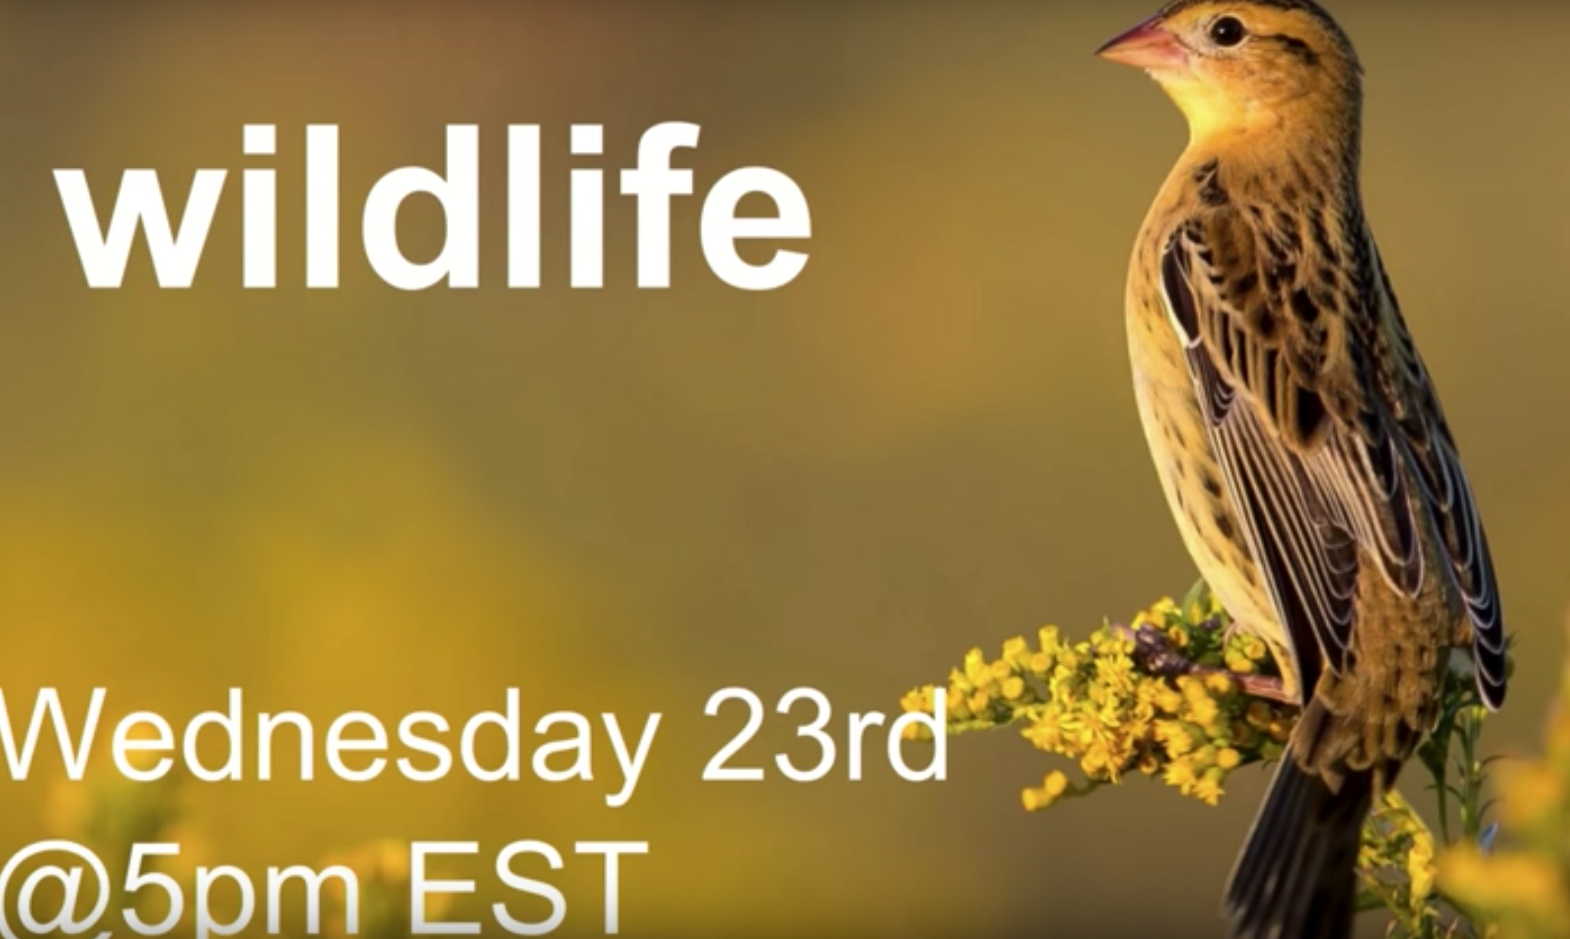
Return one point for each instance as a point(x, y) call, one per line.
point(1146, 46)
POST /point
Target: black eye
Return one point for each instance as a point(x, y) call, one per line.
point(1227, 32)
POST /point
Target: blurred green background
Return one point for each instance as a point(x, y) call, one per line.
point(624, 500)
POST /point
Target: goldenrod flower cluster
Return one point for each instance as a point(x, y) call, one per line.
point(1523, 888)
point(1160, 697)
point(1396, 865)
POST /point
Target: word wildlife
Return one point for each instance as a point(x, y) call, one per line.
point(176, 251)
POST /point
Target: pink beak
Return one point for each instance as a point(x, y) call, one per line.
point(1146, 46)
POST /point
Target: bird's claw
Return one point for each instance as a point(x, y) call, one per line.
point(1157, 655)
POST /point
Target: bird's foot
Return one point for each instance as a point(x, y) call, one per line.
point(1265, 686)
point(1156, 653)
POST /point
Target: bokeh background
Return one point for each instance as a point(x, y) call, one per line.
point(623, 500)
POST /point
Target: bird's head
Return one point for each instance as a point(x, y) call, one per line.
point(1234, 66)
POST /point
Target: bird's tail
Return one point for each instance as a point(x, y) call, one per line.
point(1297, 875)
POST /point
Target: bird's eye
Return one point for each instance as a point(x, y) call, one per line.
point(1227, 32)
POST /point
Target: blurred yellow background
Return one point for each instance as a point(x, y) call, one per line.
point(624, 500)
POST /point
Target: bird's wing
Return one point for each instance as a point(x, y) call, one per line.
point(1448, 497)
point(1311, 458)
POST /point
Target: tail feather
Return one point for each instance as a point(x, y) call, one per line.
point(1297, 875)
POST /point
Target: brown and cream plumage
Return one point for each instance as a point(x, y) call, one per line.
point(1297, 433)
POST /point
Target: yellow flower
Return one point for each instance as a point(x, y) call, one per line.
point(1048, 637)
point(979, 702)
point(1180, 773)
point(1208, 790)
point(1525, 894)
point(1170, 700)
point(1052, 788)
point(1240, 663)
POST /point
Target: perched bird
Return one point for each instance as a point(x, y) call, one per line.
point(1297, 434)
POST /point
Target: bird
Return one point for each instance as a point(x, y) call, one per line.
point(1298, 435)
